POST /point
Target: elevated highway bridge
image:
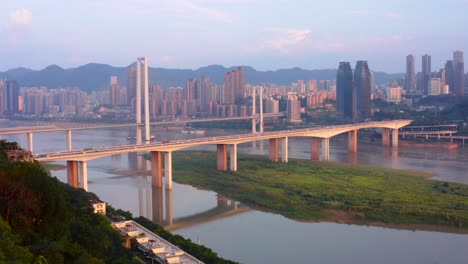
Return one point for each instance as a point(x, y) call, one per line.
point(320, 138)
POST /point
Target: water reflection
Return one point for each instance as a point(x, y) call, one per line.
point(162, 211)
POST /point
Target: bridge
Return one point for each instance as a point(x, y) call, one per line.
point(320, 140)
point(436, 131)
point(30, 130)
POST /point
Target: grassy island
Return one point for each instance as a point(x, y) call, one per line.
point(328, 191)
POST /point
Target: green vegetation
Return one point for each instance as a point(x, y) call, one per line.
point(45, 221)
point(309, 190)
point(200, 252)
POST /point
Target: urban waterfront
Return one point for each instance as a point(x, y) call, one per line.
point(258, 237)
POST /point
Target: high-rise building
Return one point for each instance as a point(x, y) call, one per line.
point(434, 86)
point(449, 75)
point(344, 92)
point(234, 86)
point(114, 91)
point(2, 97)
point(362, 91)
point(131, 84)
point(410, 79)
point(312, 86)
point(459, 73)
point(294, 111)
point(272, 106)
point(426, 72)
point(12, 96)
point(204, 94)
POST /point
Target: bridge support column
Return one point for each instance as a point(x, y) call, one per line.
point(138, 135)
point(273, 149)
point(84, 174)
point(30, 142)
point(233, 157)
point(221, 157)
point(69, 140)
point(352, 141)
point(72, 173)
point(168, 207)
point(325, 148)
point(168, 169)
point(395, 138)
point(254, 122)
point(315, 149)
point(157, 204)
point(386, 137)
point(156, 169)
point(284, 150)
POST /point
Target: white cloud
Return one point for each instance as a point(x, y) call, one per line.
point(183, 8)
point(288, 37)
point(393, 15)
point(359, 12)
point(19, 17)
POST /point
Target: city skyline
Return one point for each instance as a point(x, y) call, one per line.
point(308, 35)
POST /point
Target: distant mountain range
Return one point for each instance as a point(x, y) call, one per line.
point(92, 76)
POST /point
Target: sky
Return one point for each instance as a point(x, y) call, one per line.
point(264, 34)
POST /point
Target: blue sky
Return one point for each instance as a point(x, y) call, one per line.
point(265, 34)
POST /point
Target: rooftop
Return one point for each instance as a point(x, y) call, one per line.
point(152, 243)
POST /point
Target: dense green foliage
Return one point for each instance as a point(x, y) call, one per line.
point(309, 190)
point(45, 221)
point(198, 251)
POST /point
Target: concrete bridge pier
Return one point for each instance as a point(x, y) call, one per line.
point(221, 157)
point(233, 157)
point(284, 150)
point(273, 149)
point(84, 174)
point(352, 141)
point(395, 138)
point(168, 169)
point(169, 217)
point(325, 148)
point(386, 137)
point(389, 136)
point(138, 136)
point(72, 173)
point(30, 142)
point(156, 169)
point(157, 205)
point(69, 140)
point(315, 149)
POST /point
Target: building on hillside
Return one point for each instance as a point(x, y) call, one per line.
point(98, 206)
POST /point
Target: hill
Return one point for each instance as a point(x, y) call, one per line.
point(93, 76)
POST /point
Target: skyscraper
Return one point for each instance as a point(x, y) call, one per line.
point(131, 84)
point(114, 91)
point(458, 73)
point(449, 75)
point(410, 79)
point(12, 96)
point(2, 97)
point(426, 72)
point(362, 92)
point(234, 84)
point(204, 94)
point(344, 92)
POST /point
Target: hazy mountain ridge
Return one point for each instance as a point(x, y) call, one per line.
point(93, 76)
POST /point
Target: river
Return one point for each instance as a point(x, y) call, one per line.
point(250, 236)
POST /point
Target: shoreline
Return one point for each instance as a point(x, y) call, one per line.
point(442, 145)
point(376, 197)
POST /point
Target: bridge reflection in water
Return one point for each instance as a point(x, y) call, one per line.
point(157, 205)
